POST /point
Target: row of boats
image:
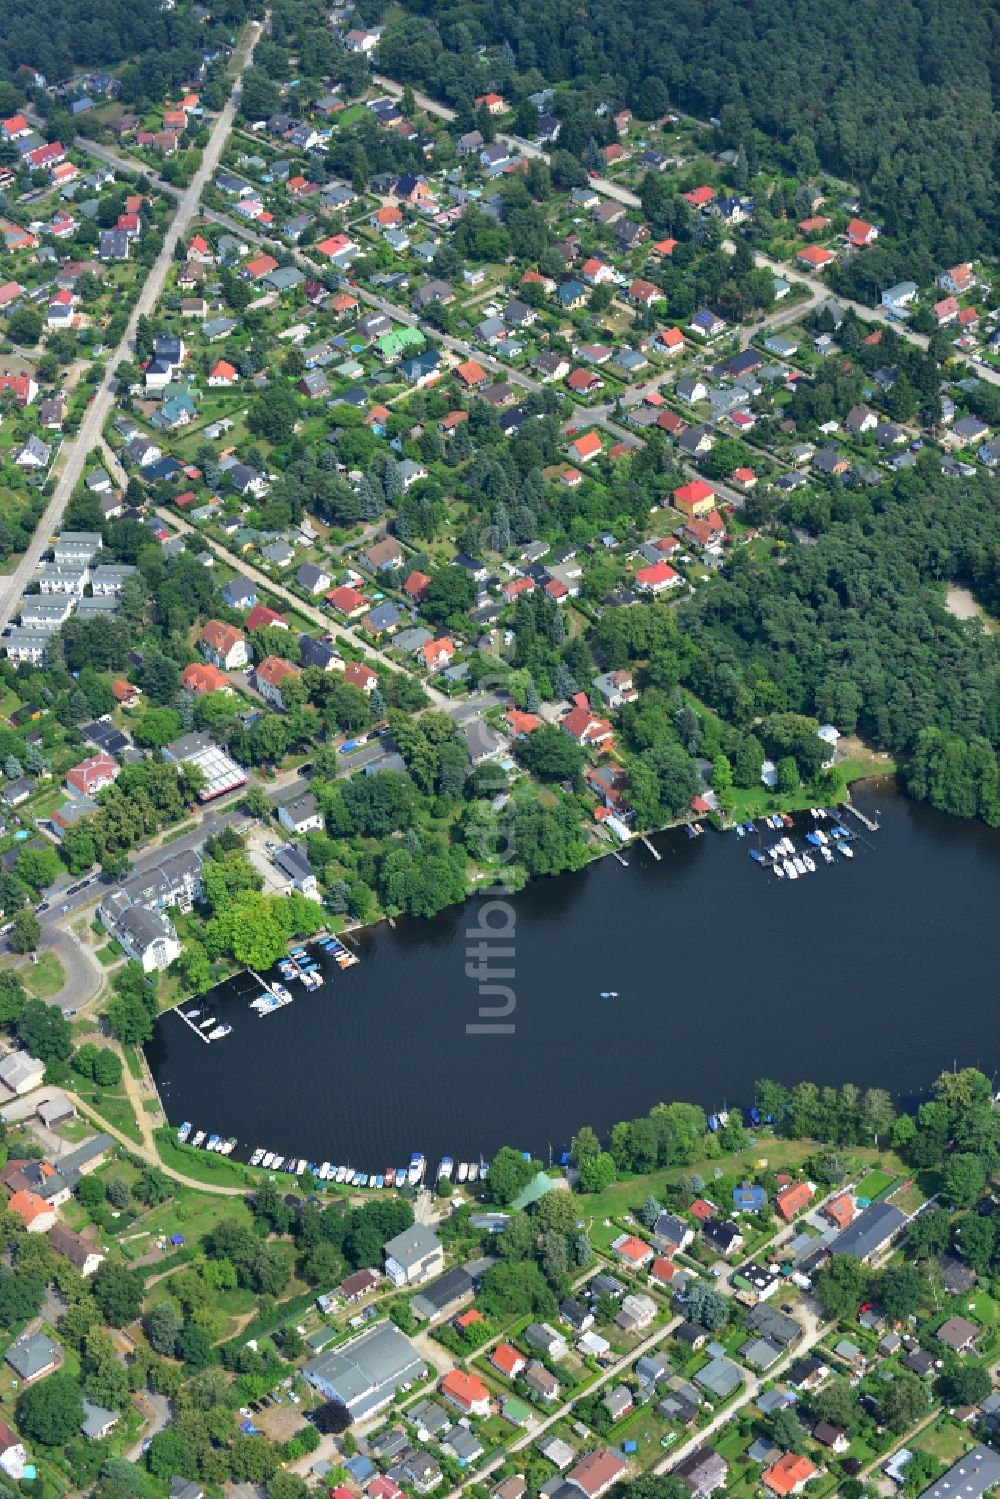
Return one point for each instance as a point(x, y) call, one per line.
point(787, 862)
point(211, 1142)
point(210, 1028)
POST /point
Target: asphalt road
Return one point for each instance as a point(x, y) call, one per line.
point(75, 450)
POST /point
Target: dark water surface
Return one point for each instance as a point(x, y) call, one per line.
point(881, 971)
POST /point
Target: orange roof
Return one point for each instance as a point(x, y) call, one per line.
point(816, 256)
point(471, 373)
point(673, 338)
point(788, 1473)
point(223, 370)
point(664, 1270)
point(387, 216)
point(652, 577)
point(416, 584)
point(469, 1318)
point(793, 1198)
point(571, 477)
point(507, 1359)
point(261, 265)
point(333, 245)
point(221, 637)
point(699, 196)
point(859, 232)
point(343, 302)
point(465, 1389)
point(587, 446)
point(813, 224)
point(518, 586)
point(123, 690)
point(636, 1251)
point(433, 650)
point(28, 1206)
point(666, 246)
point(274, 670)
point(201, 677)
point(357, 674)
point(522, 723)
point(693, 493)
point(16, 124)
point(840, 1211)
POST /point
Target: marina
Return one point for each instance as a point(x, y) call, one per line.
point(373, 1063)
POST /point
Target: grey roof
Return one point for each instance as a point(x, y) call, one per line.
point(412, 1246)
point(366, 1372)
point(96, 1418)
point(29, 1356)
point(720, 1377)
point(870, 1231)
point(776, 1326)
point(445, 1291)
point(969, 1478)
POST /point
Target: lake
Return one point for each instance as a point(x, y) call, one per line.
point(878, 971)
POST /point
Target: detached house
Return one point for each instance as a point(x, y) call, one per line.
point(223, 645)
point(269, 674)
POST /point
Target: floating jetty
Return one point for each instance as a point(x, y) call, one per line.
point(193, 1025)
point(655, 852)
point(867, 822)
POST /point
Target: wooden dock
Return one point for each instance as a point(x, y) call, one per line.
point(200, 1034)
point(655, 852)
point(867, 822)
point(622, 861)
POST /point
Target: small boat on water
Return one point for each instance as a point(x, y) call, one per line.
point(390, 1176)
point(740, 830)
point(463, 1171)
point(213, 1141)
point(749, 827)
point(790, 870)
point(280, 992)
point(191, 1014)
point(484, 1169)
point(445, 1169)
point(198, 1137)
point(757, 856)
point(809, 862)
point(779, 871)
point(324, 1171)
point(846, 850)
point(266, 1160)
point(788, 819)
point(277, 1161)
point(183, 1133)
point(798, 865)
point(689, 831)
point(609, 993)
point(229, 1146)
point(257, 1157)
point(472, 1172)
point(206, 1024)
point(301, 1167)
point(418, 1165)
point(219, 1032)
point(827, 854)
point(380, 1182)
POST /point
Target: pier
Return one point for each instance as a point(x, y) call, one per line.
point(200, 1034)
point(867, 822)
point(655, 852)
point(622, 861)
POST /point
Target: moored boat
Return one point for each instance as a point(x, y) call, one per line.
point(463, 1171)
point(446, 1167)
point(219, 1032)
point(257, 1157)
point(418, 1166)
point(198, 1137)
point(183, 1132)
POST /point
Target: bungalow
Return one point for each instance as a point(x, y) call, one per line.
point(584, 448)
point(657, 578)
point(815, 257)
point(635, 1252)
point(700, 197)
point(583, 382)
point(859, 233)
point(223, 375)
point(789, 1475)
point(348, 601)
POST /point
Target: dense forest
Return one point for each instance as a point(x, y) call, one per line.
point(854, 630)
point(894, 94)
point(78, 35)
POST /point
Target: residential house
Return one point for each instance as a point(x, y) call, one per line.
point(268, 676)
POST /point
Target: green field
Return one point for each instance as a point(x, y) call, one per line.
point(875, 1183)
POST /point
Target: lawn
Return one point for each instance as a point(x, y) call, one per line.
point(945, 1440)
point(44, 978)
point(874, 1184)
point(113, 1105)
